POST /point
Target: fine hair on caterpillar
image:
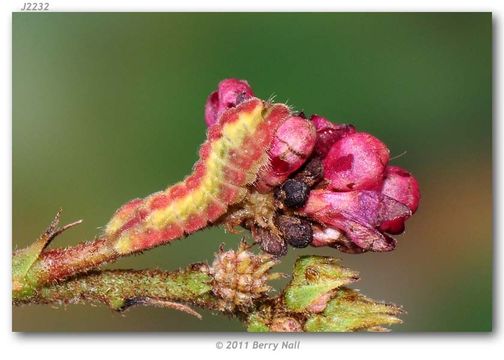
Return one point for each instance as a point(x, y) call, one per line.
point(229, 162)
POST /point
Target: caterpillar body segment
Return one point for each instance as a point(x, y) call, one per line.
point(230, 159)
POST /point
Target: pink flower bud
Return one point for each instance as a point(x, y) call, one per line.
point(356, 162)
point(292, 145)
point(400, 185)
point(356, 214)
point(230, 93)
point(328, 133)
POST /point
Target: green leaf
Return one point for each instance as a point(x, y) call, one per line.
point(350, 311)
point(24, 259)
point(313, 277)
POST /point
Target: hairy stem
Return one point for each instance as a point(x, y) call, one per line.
point(34, 267)
point(57, 264)
point(315, 299)
point(120, 289)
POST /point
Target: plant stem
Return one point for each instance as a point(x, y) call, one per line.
point(120, 289)
point(57, 264)
point(316, 298)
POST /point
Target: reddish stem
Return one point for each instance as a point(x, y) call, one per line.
point(58, 264)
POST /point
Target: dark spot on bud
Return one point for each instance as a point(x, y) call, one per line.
point(343, 163)
point(241, 97)
point(269, 242)
point(402, 173)
point(293, 193)
point(296, 231)
point(280, 166)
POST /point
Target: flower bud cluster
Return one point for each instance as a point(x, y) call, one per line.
point(334, 184)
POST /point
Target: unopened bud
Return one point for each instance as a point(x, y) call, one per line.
point(356, 162)
point(291, 147)
point(400, 185)
point(328, 133)
point(230, 93)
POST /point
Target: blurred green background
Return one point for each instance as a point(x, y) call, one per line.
point(108, 107)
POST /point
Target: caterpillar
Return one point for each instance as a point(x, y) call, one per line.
point(229, 162)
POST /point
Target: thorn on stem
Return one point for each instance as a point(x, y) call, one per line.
point(53, 230)
point(158, 303)
point(175, 306)
point(66, 227)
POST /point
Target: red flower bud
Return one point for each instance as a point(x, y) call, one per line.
point(328, 133)
point(292, 145)
point(230, 93)
point(357, 214)
point(356, 162)
point(400, 185)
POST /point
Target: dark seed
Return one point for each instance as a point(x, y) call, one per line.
point(296, 231)
point(293, 193)
point(269, 242)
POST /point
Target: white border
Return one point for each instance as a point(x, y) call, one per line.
point(262, 5)
point(169, 346)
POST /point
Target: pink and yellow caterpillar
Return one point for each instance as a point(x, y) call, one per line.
point(230, 160)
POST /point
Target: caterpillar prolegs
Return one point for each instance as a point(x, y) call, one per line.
point(229, 162)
